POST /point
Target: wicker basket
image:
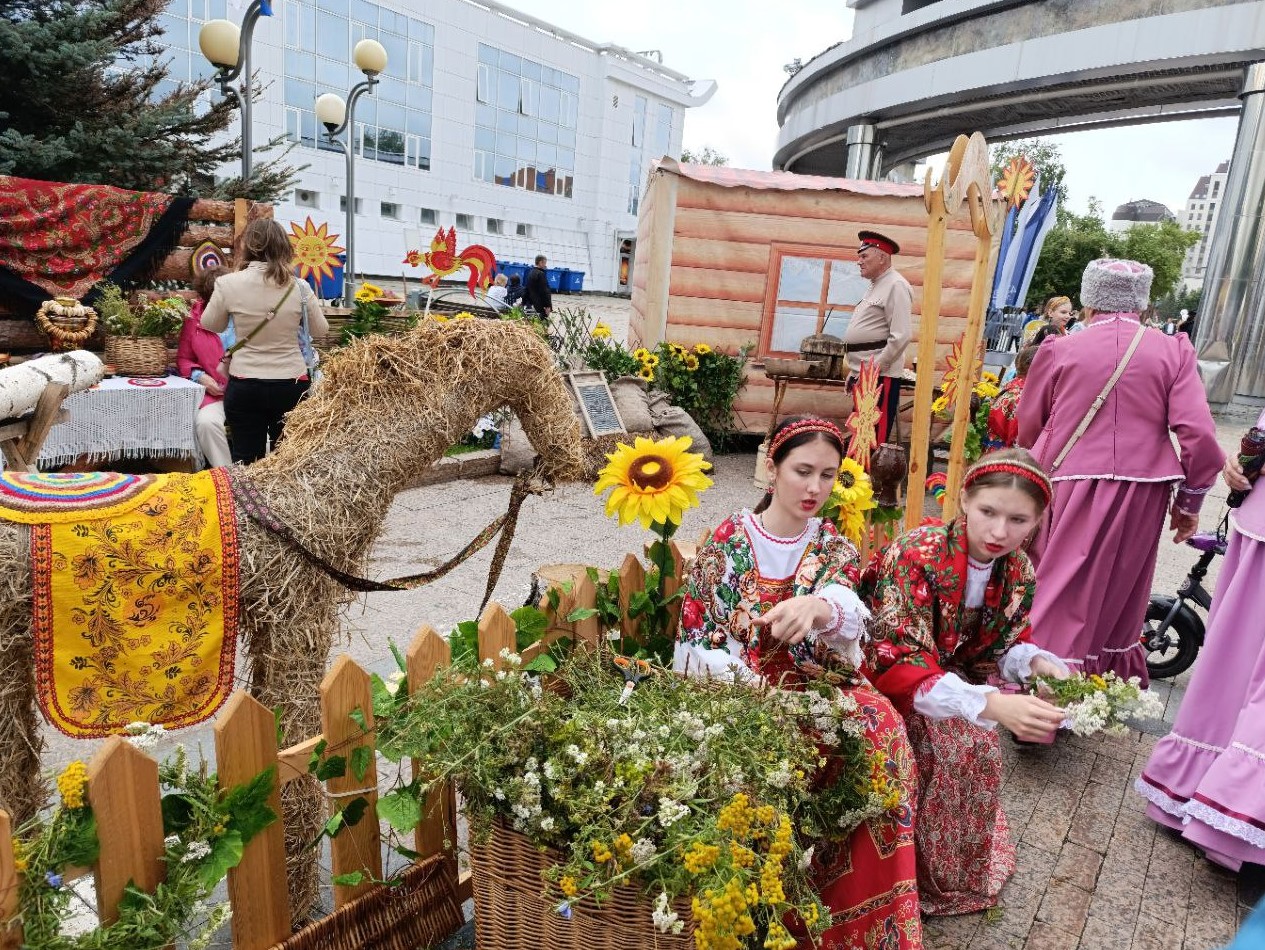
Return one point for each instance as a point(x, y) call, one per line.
point(136, 356)
point(420, 911)
point(511, 913)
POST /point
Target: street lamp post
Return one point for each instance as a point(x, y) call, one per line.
point(337, 116)
point(227, 47)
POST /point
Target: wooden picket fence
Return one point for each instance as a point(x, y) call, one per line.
point(124, 793)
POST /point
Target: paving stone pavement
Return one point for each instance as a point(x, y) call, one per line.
point(1093, 871)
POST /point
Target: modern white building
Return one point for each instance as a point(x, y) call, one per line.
point(524, 137)
point(1132, 213)
point(1200, 214)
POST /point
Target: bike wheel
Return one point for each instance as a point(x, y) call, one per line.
point(1174, 651)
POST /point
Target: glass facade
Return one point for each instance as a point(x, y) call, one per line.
point(181, 23)
point(525, 123)
point(394, 124)
point(651, 139)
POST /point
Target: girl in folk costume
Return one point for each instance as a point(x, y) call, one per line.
point(770, 599)
point(1099, 411)
point(1003, 414)
point(950, 611)
point(1206, 778)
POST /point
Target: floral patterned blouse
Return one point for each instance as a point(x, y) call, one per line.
point(1003, 416)
point(921, 628)
point(726, 591)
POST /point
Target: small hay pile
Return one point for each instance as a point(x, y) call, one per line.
point(385, 411)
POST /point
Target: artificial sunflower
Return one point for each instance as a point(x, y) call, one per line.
point(986, 390)
point(600, 332)
point(649, 360)
point(464, 315)
point(940, 404)
point(852, 484)
point(368, 293)
point(641, 354)
point(653, 482)
point(690, 361)
point(439, 318)
point(677, 350)
point(646, 373)
point(851, 497)
point(702, 349)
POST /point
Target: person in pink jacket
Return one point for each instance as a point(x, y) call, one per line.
point(199, 358)
point(1097, 548)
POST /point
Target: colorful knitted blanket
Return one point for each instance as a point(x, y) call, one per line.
point(135, 595)
point(62, 240)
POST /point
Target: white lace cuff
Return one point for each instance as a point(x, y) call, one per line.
point(951, 696)
point(704, 663)
point(844, 631)
point(1016, 663)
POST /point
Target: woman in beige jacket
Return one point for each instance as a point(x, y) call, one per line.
point(267, 374)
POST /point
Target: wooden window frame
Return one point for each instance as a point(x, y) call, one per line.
point(826, 253)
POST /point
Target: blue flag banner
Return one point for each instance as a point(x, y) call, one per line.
point(265, 7)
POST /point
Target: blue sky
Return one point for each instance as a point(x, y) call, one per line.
point(743, 45)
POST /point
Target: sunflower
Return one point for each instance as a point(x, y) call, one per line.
point(641, 354)
point(464, 315)
point(852, 484)
point(646, 373)
point(940, 404)
point(986, 390)
point(677, 350)
point(439, 318)
point(653, 482)
point(649, 360)
point(690, 361)
point(368, 293)
point(600, 332)
point(702, 349)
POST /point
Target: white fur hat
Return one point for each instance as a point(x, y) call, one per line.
point(1116, 286)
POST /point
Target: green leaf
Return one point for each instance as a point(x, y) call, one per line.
point(399, 657)
point(407, 853)
point(361, 758)
point(638, 603)
point(357, 716)
point(355, 811)
point(177, 811)
point(402, 808)
point(333, 767)
point(354, 879)
point(226, 853)
point(79, 845)
point(383, 699)
point(592, 574)
point(247, 805)
point(542, 664)
point(314, 760)
point(553, 598)
point(531, 625)
point(581, 613)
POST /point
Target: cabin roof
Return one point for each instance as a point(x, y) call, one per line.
point(785, 181)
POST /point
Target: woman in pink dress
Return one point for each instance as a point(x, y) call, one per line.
point(1097, 549)
point(1206, 778)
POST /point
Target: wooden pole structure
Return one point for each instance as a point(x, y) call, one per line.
point(966, 173)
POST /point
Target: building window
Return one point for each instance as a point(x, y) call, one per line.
point(307, 199)
point(523, 230)
point(526, 116)
point(814, 291)
point(427, 216)
point(465, 222)
point(390, 210)
point(663, 131)
point(393, 125)
point(495, 226)
point(342, 204)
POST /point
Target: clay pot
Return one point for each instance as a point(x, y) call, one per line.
point(888, 467)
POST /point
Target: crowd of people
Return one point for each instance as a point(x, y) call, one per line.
point(1044, 572)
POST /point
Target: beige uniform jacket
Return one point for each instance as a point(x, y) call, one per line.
point(247, 296)
point(883, 314)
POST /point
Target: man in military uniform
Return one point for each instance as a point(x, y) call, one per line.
point(880, 328)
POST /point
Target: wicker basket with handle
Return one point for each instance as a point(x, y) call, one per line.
point(512, 912)
point(136, 355)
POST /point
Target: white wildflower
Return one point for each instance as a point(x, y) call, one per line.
point(546, 823)
point(780, 777)
point(171, 841)
point(665, 918)
point(488, 664)
point(806, 858)
point(531, 764)
point(551, 770)
point(670, 812)
point(197, 851)
point(643, 850)
point(578, 754)
point(498, 794)
point(513, 659)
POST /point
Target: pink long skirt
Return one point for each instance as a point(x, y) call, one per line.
point(1206, 778)
point(1095, 558)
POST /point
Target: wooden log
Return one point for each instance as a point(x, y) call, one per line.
point(497, 632)
point(344, 690)
point(713, 312)
point(205, 209)
point(176, 266)
point(195, 234)
point(241, 211)
point(721, 255)
point(48, 411)
point(718, 284)
point(436, 833)
point(123, 792)
point(245, 745)
point(22, 335)
point(10, 926)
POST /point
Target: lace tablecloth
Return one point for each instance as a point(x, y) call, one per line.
point(120, 419)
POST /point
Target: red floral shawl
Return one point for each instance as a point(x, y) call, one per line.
point(1003, 416)
point(920, 628)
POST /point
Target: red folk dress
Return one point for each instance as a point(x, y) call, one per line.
point(1003, 416)
point(922, 632)
point(868, 880)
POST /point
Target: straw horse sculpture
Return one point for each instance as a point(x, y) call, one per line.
point(387, 408)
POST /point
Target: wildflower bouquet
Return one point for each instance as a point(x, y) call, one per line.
point(705, 789)
point(1100, 703)
point(982, 395)
point(207, 829)
point(161, 317)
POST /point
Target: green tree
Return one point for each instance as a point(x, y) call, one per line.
point(79, 103)
point(708, 156)
point(1163, 246)
point(1045, 157)
point(1173, 303)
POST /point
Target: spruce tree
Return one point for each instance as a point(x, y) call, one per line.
point(78, 104)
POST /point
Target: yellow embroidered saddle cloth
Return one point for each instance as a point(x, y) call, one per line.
point(135, 595)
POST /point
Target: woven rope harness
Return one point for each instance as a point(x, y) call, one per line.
point(247, 496)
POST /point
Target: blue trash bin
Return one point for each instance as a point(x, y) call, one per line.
point(564, 280)
point(330, 288)
point(575, 281)
point(554, 276)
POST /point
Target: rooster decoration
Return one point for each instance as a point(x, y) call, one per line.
point(443, 259)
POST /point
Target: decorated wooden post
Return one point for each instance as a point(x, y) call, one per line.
point(10, 926)
point(967, 177)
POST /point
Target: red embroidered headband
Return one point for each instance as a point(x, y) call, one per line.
point(1019, 469)
point(802, 426)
